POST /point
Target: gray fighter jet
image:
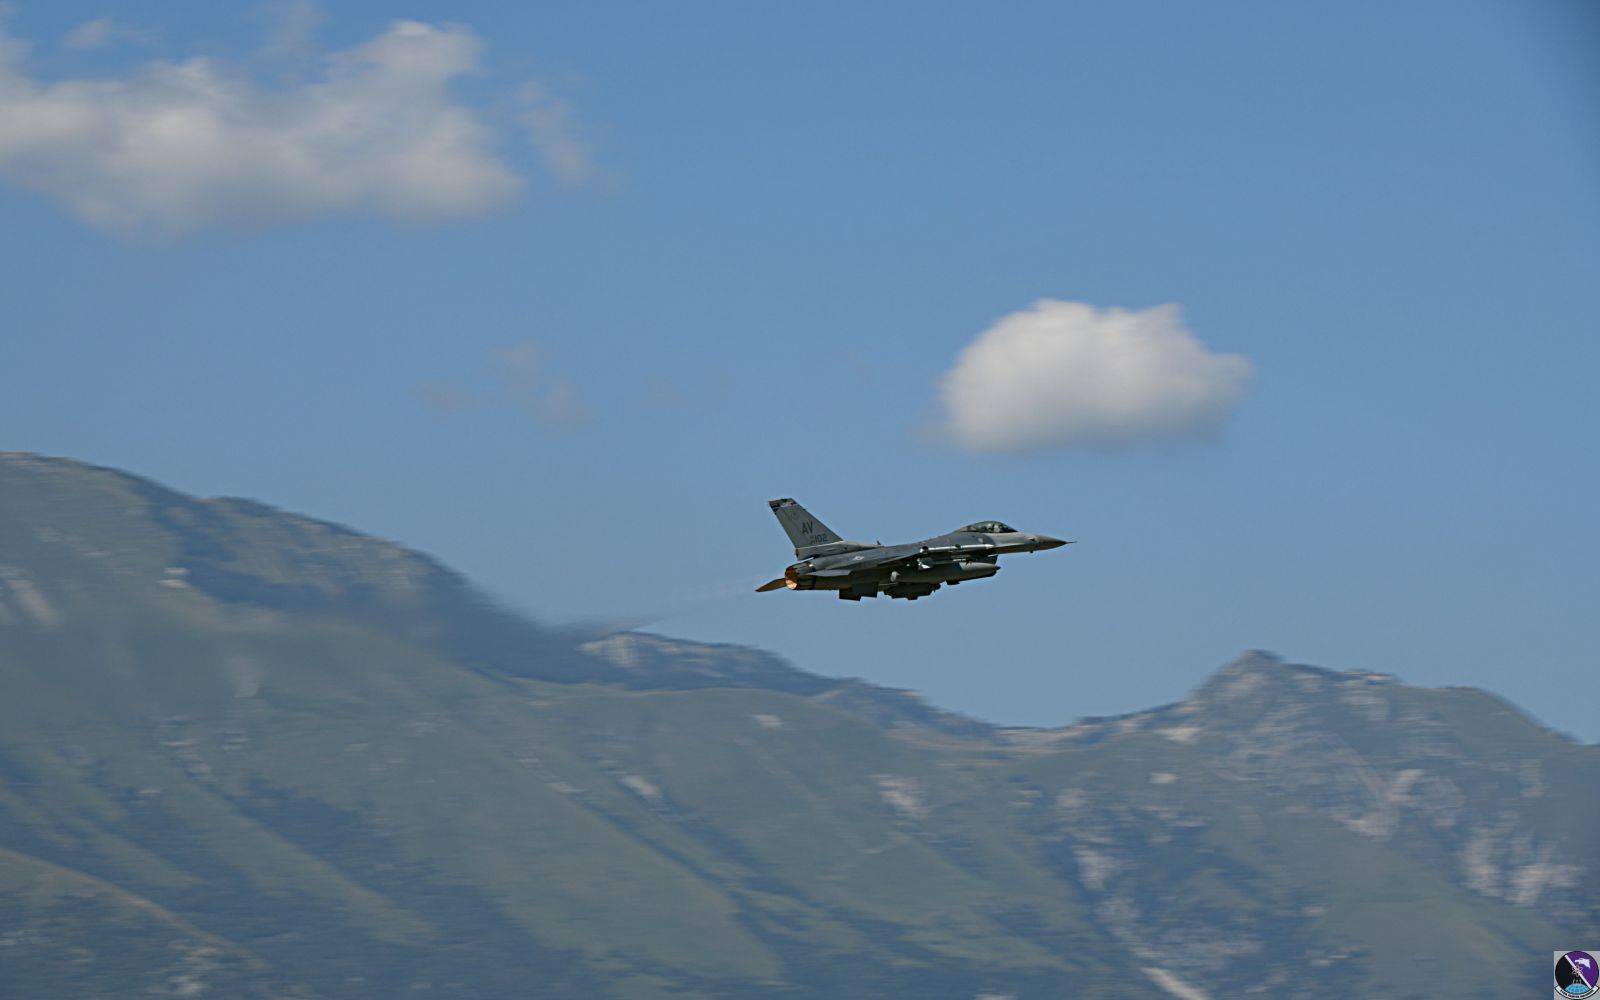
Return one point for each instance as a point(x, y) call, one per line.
point(913, 570)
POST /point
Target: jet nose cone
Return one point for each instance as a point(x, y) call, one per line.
point(1042, 542)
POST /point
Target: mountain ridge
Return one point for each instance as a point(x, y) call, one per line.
point(627, 650)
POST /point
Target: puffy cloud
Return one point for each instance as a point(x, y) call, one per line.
point(187, 144)
point(1064, 373)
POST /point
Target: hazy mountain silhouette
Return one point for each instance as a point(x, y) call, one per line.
point(248, 753)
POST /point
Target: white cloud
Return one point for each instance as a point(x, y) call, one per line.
point(444, 398)
point(90, 34)
point(549, 122)
point(101, 32)
point(1064, 373)
point(526, 382)
point(293, 36)
point(517, 376)
point(558, 406)
point(188, 144)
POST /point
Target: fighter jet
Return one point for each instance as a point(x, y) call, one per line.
point(913, 570)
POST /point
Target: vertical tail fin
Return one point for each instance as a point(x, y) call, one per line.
point(804, 530)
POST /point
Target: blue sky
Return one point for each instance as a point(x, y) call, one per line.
point(566, 293)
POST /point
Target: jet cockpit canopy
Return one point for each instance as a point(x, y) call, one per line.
point(989, 527)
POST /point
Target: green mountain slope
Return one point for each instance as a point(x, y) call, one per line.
point(64, 929)
point(247, 753)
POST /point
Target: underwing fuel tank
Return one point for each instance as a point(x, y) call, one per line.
point(963, 569)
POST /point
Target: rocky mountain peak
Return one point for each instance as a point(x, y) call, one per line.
point(1257, 677)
